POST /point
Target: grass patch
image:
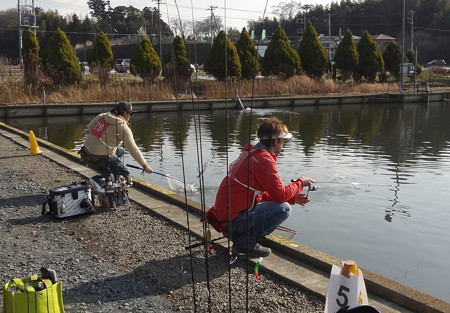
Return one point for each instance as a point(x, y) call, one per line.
point(123, 86)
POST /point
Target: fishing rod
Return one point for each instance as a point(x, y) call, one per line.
point(354, 184)
point(157, 173)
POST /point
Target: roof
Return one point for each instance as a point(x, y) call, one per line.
point(382, 37)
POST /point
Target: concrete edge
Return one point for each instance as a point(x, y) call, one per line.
point(378, 285)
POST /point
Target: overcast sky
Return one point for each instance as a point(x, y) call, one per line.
point(237, 12)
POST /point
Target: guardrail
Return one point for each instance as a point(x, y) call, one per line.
point(10, 71)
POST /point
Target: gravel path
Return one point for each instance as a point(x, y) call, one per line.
point(126, 260)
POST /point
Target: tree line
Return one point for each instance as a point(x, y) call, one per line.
point(363, 62)
point(430, 20)
point(427, 22)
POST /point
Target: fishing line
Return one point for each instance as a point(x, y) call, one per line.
point(174, 68)
point(248, 173)
point(198, 141)
point(227, 162)
point(201, 181)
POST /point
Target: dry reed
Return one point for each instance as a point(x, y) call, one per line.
point(125, 86)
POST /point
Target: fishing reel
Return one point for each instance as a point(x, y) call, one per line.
point(311, 188)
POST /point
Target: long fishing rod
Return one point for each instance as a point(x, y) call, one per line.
point(157, 173)
point(353, 183)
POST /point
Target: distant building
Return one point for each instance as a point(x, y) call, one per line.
point(330, 43)
point(383, 40)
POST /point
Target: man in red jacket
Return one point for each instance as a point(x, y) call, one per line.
point(252, 200)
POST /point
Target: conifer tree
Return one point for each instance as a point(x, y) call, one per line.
point(248, 55)
point(101, 60)
point(215, 62)
point(280, 57)
point(370, 58)
point(392, 57)
point(177, 68)
point(30, 55)
point(410, 57)
point(145, 61)
point(346, 56)
point(313, 55)
point(60, 61)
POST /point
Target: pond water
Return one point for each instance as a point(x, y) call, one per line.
point(383, 173)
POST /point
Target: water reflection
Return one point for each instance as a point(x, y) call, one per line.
point(382, 172)
point(401, 132)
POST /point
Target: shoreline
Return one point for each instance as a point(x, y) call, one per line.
point(71, 109)
point(402, 293)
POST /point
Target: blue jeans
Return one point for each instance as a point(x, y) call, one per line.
point(113, 164)
point(256, 223)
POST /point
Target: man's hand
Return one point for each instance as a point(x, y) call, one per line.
point(148, 169)
point(301, 199)
point(306, 181)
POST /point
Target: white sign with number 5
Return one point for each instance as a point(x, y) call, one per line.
point(346, 289)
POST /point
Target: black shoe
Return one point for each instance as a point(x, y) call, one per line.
point(256, 252)
point(262, 240)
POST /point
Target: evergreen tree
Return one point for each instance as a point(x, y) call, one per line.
point(346, 56)
point(60, 61)
point(30, 54)
point(74, 27)
point(48, 22)
point(215, 62)
point(392, 57)
point(101, 54)
point(177, 68)
point(280, 57)
point(313, 55)
point(101, 59)
point(410, 57)
point(370, 58)
point(248, 55)
point(145, 61)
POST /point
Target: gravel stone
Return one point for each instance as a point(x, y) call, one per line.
point(123, 260)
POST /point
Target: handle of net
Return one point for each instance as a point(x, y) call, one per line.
point(157, 173)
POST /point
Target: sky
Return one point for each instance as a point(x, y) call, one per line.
point(237, 12)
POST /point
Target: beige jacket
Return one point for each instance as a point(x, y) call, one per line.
point(106, 132)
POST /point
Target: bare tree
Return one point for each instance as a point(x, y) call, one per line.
point(181, 27)
point(286, 11)
point(205, 26)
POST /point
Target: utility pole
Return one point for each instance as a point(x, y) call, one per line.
point(159, 25)
point(403, 48)
point(212, 8)
point(306, 7)
point(20, 33)
point(411, 20)
point(29, 21)
point(329, 37)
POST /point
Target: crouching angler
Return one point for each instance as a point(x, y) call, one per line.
point(106, 132)
point(252, 201)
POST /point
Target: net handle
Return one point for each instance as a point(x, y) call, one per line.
point(157, 173)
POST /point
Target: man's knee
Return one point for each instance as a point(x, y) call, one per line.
point(285, 209)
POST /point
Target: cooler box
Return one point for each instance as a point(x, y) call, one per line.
point(70, 200)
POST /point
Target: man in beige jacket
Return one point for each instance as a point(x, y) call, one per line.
point(102, 148)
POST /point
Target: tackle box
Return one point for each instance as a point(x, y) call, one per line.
point(69, 200)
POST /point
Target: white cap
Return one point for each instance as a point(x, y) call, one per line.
point(285, 136)
point(282, 136)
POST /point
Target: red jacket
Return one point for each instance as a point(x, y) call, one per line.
point(265, 184)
